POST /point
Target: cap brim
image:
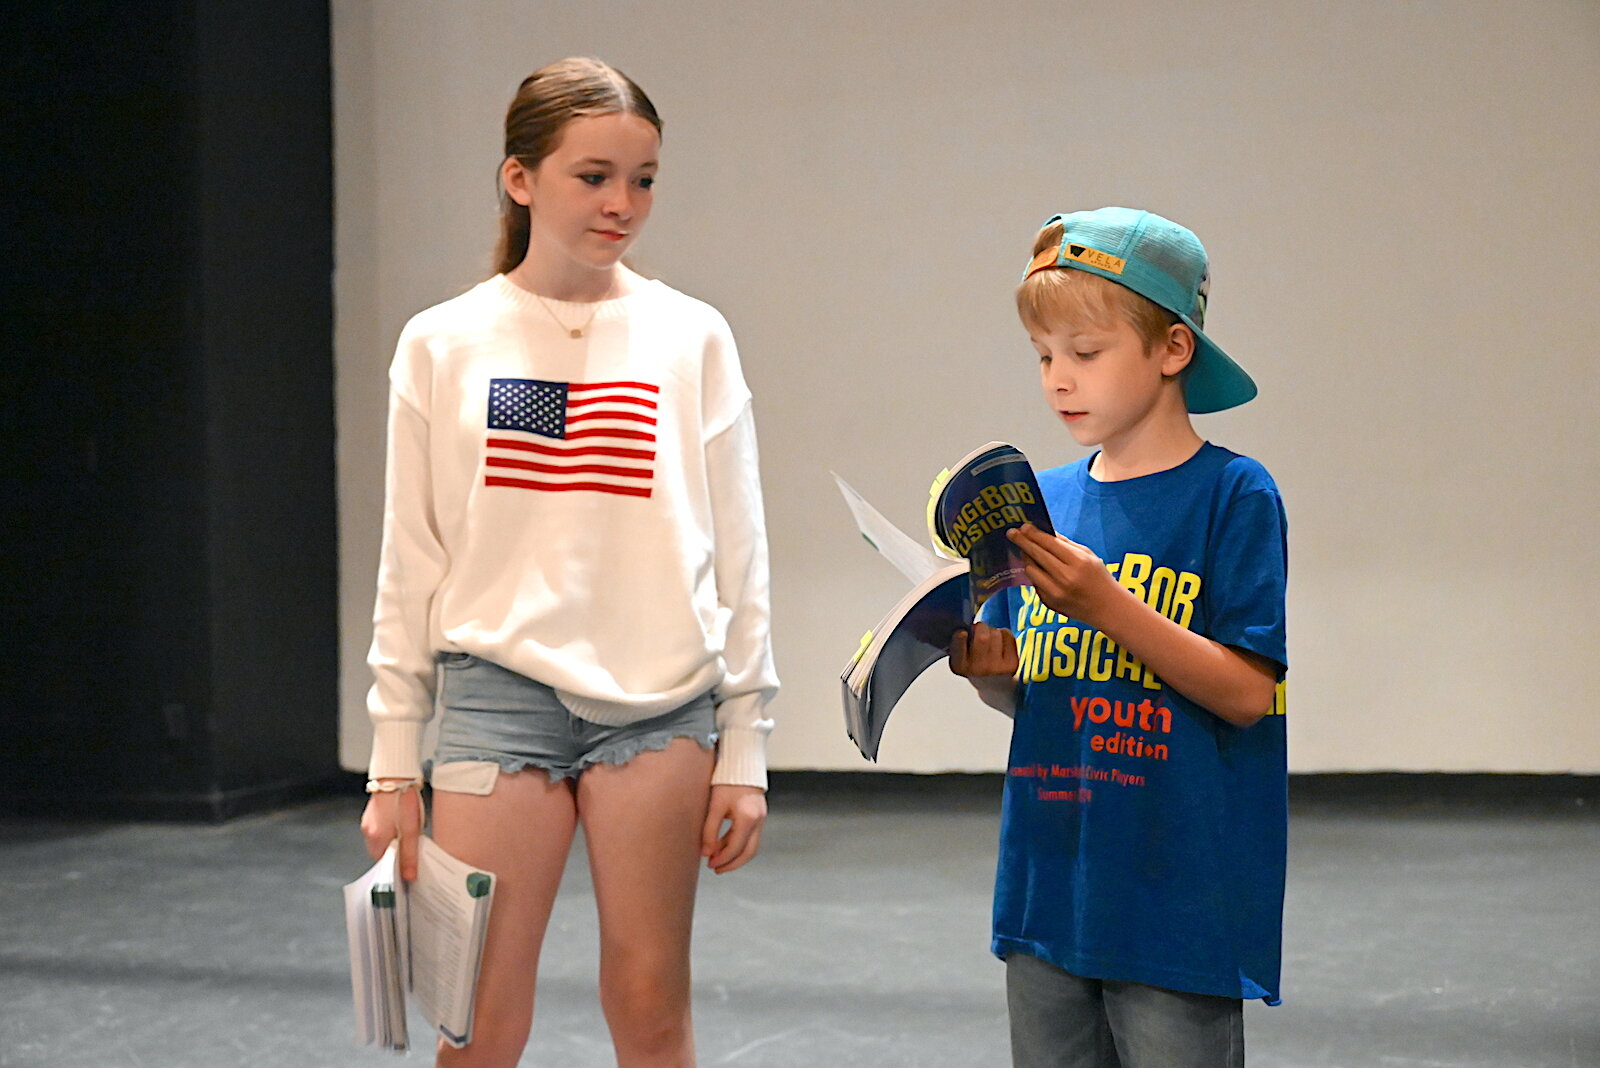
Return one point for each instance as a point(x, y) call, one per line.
point(1213, 382)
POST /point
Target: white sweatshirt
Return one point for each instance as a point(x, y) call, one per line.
point(585, 512)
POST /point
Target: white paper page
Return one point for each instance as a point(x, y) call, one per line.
point(365, 977)
point(363, 965)
point(447, 925)
point(910, 557)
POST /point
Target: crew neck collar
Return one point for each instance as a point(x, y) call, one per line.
point(525, 300)
point(1138, 483)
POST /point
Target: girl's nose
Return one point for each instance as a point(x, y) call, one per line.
point(620, 204)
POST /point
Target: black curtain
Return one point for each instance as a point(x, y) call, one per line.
point(168, 573)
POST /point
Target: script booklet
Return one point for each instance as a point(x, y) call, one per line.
point(970, 508)
point(423, 938)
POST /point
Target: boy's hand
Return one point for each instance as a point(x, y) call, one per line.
point(1068, 578)
point(983, 652)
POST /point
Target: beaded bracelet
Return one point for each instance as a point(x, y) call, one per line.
point(391, 786)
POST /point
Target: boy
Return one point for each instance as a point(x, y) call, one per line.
point(1139, 892)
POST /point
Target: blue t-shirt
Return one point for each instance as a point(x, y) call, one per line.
point(1143, 838)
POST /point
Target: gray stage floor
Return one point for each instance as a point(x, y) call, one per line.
point(1414, 937)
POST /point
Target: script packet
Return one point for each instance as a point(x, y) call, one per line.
point(991, 490)
point(423, 938)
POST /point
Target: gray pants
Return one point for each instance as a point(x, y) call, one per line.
point(1059, 1020)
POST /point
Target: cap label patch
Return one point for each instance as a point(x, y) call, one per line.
point(1094, 258)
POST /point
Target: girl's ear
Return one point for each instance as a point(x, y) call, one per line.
point(517, 181)
point(1176, 350)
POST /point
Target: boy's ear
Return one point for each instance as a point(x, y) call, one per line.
point(1176, 350)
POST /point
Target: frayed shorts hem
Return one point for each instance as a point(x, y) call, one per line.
point(614, 754)
point(495, 720)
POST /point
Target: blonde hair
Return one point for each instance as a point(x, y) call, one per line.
point(1067, 295)
point(546, 101)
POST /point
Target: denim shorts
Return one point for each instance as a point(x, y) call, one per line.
point(493, 719)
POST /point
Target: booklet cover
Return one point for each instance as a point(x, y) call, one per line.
point(424, 938)
point(990, 491)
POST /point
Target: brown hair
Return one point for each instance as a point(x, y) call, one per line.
point(546, 101)
point(1068, 295)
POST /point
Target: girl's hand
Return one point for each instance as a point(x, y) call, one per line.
point(391, 816)
point(1068, 578)
point(983, 652)
point(744, 809)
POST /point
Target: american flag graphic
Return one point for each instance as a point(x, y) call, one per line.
point(559, 436)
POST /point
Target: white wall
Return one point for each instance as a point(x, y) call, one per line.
point(1401, 202)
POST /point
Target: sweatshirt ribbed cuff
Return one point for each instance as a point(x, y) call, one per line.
point(396, 749)
point(741, 758)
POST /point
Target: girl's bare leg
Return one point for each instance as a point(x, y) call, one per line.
point(642, 822)
point(521, 832)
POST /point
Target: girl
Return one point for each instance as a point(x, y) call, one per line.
point(574, 548)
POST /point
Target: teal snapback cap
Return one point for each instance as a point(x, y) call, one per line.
point(1166, 264)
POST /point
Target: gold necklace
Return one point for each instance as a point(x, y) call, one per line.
point(577, 331)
